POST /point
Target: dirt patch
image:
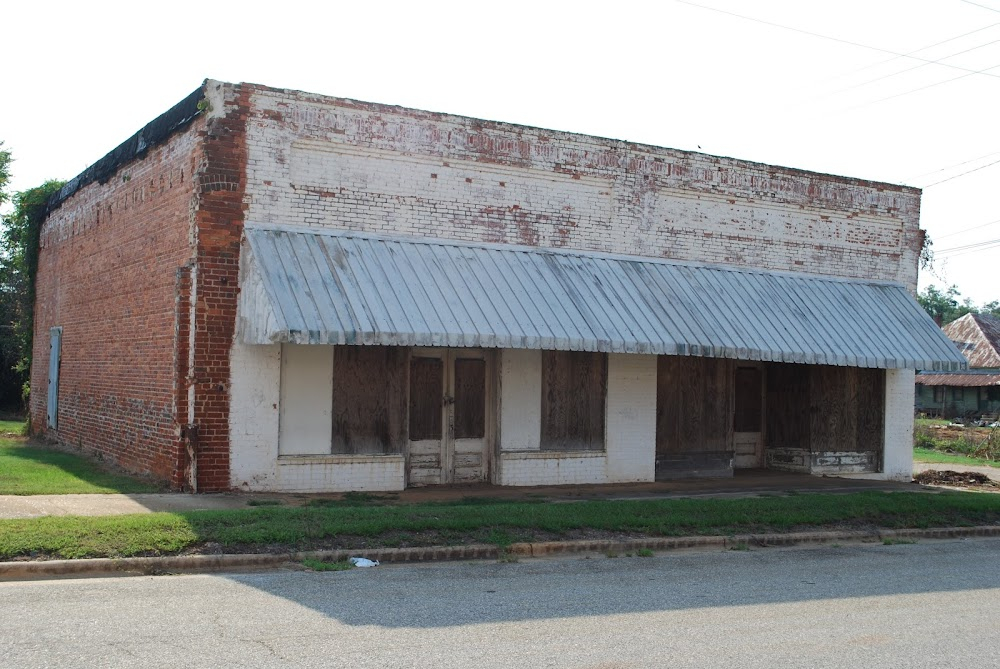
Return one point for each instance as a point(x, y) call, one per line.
point(967, 480)
point(956, 432)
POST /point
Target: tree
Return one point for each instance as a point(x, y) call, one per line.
point(18, 264)
point(946, 307)
point(5, 160)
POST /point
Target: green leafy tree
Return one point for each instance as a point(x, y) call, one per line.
point(19, 236)
point(5, 160)
point(949, 305)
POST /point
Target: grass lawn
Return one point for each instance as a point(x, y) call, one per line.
point(34, 470)
point(360, 524)
point(933, 455)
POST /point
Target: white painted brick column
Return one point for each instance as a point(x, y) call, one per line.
point(520, 400)
point(631, 417)
point(898, 438)
point(253, 416)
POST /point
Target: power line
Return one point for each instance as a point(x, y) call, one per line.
point(966, 247)
point(992, 9)
point(915, 90)
point(988, 247)
point(925, 48)
point(982, 167)
point(958, 232)
point(915, 67)
point(835, 39)
point(944, 169)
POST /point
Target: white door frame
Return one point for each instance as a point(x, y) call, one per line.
point(459, 460)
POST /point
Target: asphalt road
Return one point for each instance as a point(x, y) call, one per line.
point(930, 604)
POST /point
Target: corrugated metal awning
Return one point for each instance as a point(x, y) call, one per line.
point(313, 287)
point(958, 380)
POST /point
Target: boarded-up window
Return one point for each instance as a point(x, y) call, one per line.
point(369, 403)
point(470, 398)
point(693, 405)
point(573, 388)
point(939, 393)
point(788, 408)
point(748, 400)
point(823, 408)
point(958, 394)
point(426, 391)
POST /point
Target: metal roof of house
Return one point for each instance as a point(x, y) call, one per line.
point(978, 338)
point(309, 287)
point(958, 380)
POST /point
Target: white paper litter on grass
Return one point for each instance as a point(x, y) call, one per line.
point(362, 562)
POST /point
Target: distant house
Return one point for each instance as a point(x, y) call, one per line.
point(976, 391)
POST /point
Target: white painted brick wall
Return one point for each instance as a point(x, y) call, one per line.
point(341, 473)
point(253, 416)
point(898, 454)
point(318, 161)
point(631, 417)
point(549, 468)
point(630, 442)
point(255, 463)
point(520, 400)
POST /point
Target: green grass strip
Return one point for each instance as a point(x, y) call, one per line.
point(300, 528)
point(933, 455)
point(31, 470)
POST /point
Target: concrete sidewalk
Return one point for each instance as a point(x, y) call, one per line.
point(746, 483)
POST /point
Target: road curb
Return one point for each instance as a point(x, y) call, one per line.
point(42, 569)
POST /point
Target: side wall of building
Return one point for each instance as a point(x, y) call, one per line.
point(110, 275)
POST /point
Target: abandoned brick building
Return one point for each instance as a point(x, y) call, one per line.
point(272, 290)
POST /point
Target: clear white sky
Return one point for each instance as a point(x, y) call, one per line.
point(840, 87)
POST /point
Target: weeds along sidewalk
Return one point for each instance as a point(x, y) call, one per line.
point(372, 523)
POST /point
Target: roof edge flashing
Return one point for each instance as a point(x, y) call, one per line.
point(152, 134)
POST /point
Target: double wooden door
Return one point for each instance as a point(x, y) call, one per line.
point(449, 416)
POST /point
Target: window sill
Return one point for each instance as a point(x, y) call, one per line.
point(550, 455)
point(331, 459)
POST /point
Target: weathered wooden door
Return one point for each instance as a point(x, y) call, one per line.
point(748, 442)
point(448, 407)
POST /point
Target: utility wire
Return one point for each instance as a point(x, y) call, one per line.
point(925, 48)
point(982, 167)
point(835, 39)
point(988, 247)
point(958, 232)
point(966, 247)
point(943, 169)
point(992, 9)
point(915, 67)
point(922, 88)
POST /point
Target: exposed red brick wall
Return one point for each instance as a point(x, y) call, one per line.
point(221, 188)
point(108, 275)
